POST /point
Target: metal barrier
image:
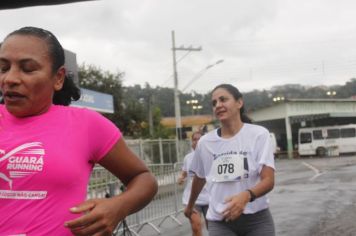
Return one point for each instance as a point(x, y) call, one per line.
point(167, 203)
point(159, 151)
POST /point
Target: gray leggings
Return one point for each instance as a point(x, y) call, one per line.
point(258, 224)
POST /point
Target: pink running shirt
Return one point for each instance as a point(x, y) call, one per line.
point(45, 166)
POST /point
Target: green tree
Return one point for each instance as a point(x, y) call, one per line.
point(139, 100)
point(94, 78)
point(348, 90)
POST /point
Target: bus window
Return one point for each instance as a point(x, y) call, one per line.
point(348, 133)
point(317, 134)
point(333, 133)
point(305, 138)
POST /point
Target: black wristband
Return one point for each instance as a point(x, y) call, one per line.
point(252, 195)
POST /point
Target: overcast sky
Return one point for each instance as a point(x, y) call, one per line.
point(263, 43)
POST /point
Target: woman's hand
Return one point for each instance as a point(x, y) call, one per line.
point(236, 205)
point(182, 177)
point(181, 180)
point(188, 211)
point(99, 217)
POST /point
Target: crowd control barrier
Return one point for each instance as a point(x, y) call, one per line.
point(167, 203)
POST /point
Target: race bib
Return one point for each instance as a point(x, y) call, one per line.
point(228, 168)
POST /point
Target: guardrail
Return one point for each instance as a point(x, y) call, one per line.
point(159, 151)
point(166, 204)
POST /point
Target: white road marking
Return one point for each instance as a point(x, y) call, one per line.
point(317, 171)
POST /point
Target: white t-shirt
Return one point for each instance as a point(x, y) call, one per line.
point(203, 198)
point(232, 165)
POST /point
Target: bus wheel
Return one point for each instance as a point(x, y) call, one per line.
point(321, 152)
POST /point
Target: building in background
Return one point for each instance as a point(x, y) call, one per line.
point(285, 118)
point(190, 124)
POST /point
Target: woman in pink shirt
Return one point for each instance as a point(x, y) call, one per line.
point(48, 149)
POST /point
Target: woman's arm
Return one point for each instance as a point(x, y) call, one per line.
point(141, 185)
point(237, 203)
point(182, 177)
point(197, 186)
point(103, 215)
point(266, 184)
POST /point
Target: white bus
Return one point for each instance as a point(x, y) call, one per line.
point(322, 140)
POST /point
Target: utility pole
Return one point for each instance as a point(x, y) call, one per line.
point(150, 115)
point(176, 91)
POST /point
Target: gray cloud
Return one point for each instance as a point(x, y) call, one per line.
point(263, 43)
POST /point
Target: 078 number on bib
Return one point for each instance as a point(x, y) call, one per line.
point(228, 168)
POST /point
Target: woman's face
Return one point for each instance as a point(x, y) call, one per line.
point(195, 139)
point(225, 107)
point(26, 77)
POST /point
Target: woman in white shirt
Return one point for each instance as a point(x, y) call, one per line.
point(236, 160)
point(201, 204)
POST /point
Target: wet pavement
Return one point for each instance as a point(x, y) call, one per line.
point(314, 197)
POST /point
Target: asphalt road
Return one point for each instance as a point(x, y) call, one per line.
point(314, 197)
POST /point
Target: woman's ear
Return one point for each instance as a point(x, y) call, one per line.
point(240, 103)
point(59, 78)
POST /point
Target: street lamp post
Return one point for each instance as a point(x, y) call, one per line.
point(201, 73)
point(176, 91)
point(197, 107)
point(194, 104)
point(278, 99)
point(331, 93)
